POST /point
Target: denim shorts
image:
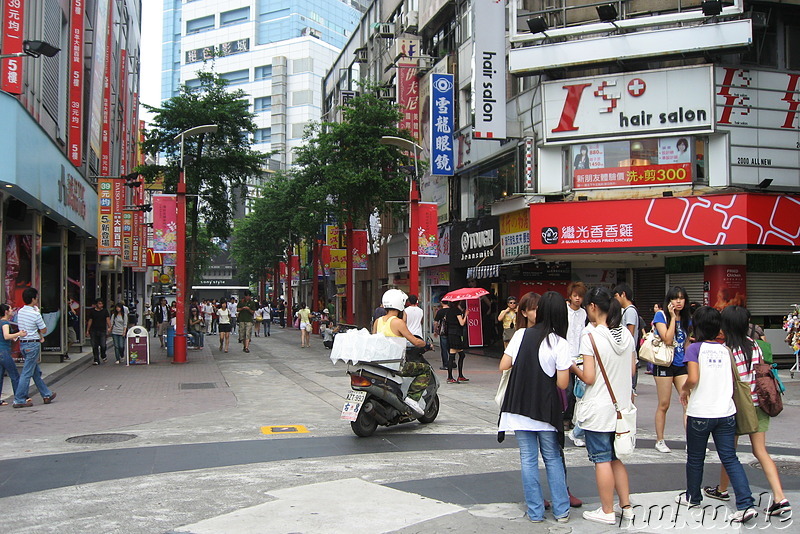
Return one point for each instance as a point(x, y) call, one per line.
point(600, 446)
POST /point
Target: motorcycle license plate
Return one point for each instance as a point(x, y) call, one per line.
point(353, 404)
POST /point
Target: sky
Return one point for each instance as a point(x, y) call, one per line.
point(150, 83)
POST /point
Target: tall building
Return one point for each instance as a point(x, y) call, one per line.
point(67, 123)
point(277, 52)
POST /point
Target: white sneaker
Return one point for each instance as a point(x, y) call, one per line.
point(683, 500)
point(662, 447)
point(578, 442)
point(743, 516)
point(626, 513)
point(414, 405)
point(599, 516)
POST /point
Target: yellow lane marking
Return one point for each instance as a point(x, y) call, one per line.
point(286, 429)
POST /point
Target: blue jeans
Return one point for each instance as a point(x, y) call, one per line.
point(119, 346)
point(529, 445)
point(197, 338)
point(7, 366)
point(266, 323)
point(723, 430)
point(30, 369)
point(444, 345)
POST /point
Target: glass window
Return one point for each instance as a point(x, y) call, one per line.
point(493, 184)
point(263, 135)
point(236, 16)
point(262, 104)
point(237, 76)
point(200, 25)
point(263, 72)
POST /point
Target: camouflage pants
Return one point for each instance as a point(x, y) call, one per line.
point(422, 377)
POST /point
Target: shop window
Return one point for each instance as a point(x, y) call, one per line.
point(488, 186)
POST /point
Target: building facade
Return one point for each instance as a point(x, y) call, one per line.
point(654, 143)
point(67, 122)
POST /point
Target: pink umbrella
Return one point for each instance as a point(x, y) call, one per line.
point(465, 294)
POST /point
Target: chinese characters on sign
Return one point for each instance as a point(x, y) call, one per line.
point(76, 84)
point(514, 235)
point(408, 97)
point(428, 230)
point(165, 223)
point(13, 21)
point(106, 208)
point(676, 173)
point(442, 124)
point(224, 49)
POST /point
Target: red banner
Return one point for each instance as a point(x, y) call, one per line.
point(642, 175)
point(687, 223)
point(474, 323)
point(282, 269)
point(116, 218)
point(408, 97)
point(359, 250)
point(294, 268)
point(326, 259)
point(105, 152)
point(105, 215)
point(127, 239)
point(13, 24)
point(165, 223)
point(123, 104)
point(154, 259)
point(428, 230)
point(75, 132)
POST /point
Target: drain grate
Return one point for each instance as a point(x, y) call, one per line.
point(101, 438)
point(198, 385)
point(784, 468)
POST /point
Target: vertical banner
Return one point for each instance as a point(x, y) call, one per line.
point(408, 97)
point(474, 323)
point(725, 285)
point(105, 217)
point(116, 225)
point(127, 238)
point(122, 90)
point(334, 237)
point(165, 223)
point(294, 264)
point(442, 103)
point(75, 131)
point(428, 230)
point(359, 250)
point(326, 260)
point(338, 258)
point(105, 141)
point(489, 69)
point(13, 24)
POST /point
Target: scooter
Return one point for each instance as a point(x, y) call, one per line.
point(378, 392)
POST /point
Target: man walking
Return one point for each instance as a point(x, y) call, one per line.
point(630, 320)
point(98, 325)
point(162, 315)
point(232, 307)
point(246, 311)
point(413, 316)
point(30, 320)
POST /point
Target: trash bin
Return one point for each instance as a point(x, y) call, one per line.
point(138, 346)
point(171, 342)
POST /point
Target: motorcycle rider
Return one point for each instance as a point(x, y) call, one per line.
point(392, 325)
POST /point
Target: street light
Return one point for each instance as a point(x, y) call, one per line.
point(34, 49)
point(179, 352)
point(413, 198)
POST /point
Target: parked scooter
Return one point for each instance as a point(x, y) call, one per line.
point(378, 393)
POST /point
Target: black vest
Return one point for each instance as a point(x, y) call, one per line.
point(530, 391)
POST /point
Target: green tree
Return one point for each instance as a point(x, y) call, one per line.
point(217, 165)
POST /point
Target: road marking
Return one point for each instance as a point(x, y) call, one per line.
point(287, 429)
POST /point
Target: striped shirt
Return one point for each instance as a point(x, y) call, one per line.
point(30, 320)
point(747, 374)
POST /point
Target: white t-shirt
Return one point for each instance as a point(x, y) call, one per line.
point(224, 316)
point(712, 397)
point(577, 320)
point(414, 320)
point(232, 308)
point(208, 310)
point(553, 356)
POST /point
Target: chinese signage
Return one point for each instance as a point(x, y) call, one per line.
point(75, 130)
point(476, 241)
point(408, 97)
point(690, 223)
point(338, 258)
point(677, 173)
point(334, 237)
point(474, 324)
point(13, 23)
point(442, 103)
point(489, 69)
point(105, 218)
point(761, 110)
point(442, 250)
point(632, 103)
point(427, 231)
point(225, 49)
point(127, 239)
point(165, 223)
point(515, 235)
point(105, 138)
point(359, 250)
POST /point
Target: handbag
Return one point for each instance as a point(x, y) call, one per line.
point(297, 323)
point(501, 389)
point(655, 351)
point(767, 389)
point(625, 429)
point(746, 416)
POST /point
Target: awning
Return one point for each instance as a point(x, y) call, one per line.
point(483, 271)
point(220, 287)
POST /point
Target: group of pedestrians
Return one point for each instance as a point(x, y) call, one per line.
point(589, 347)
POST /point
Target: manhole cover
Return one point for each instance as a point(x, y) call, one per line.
point(198, 385)
point(101, 438)
point(784, 468)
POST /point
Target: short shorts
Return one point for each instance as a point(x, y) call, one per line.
point(763, 420)
point(305, 326)
point(600, 446)
point(672, 370)
point(508, 333)
point(224, 327)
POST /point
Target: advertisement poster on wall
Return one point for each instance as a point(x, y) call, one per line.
point(474, 326)
point(725, 285)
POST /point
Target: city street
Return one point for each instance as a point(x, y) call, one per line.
point(208, 447)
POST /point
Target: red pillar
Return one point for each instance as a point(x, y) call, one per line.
point(289, 284)
point(315, 275)
point(179, 354)
point(413, 240)
point(349, 313)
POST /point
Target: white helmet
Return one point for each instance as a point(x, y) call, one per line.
point(394, 299)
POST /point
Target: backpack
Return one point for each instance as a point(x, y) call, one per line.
point(767, 389)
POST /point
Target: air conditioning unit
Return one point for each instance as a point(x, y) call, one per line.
point(361, 55)
point(411, 21)
point(384, 30)
point(425, 64)
point(388, 92)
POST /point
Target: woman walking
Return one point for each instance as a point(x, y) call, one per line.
point(456, 319)
point(707, 394)
point(595, 412)
point(119, 325)
point(304, 314)
point(538, 355)
point(735, 324)
point(224, 325)
point(673, 329)
point(7, 364)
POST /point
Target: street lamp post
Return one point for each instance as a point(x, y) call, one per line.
point(179, 352)
point(413, 210)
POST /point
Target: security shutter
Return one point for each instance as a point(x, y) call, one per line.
point(648, 288)
point(772, 293)
point(691, 282)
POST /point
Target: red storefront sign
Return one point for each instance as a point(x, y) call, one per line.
point(127, 239)
point(105, 151)
point(408, 97)
point(687, 223)
point(105, 217)
point(13, 23)
point(474, 323)
point(116, 217)
point(154, 259)
point(123, 102)
point(643, 175)
point(75, 131)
